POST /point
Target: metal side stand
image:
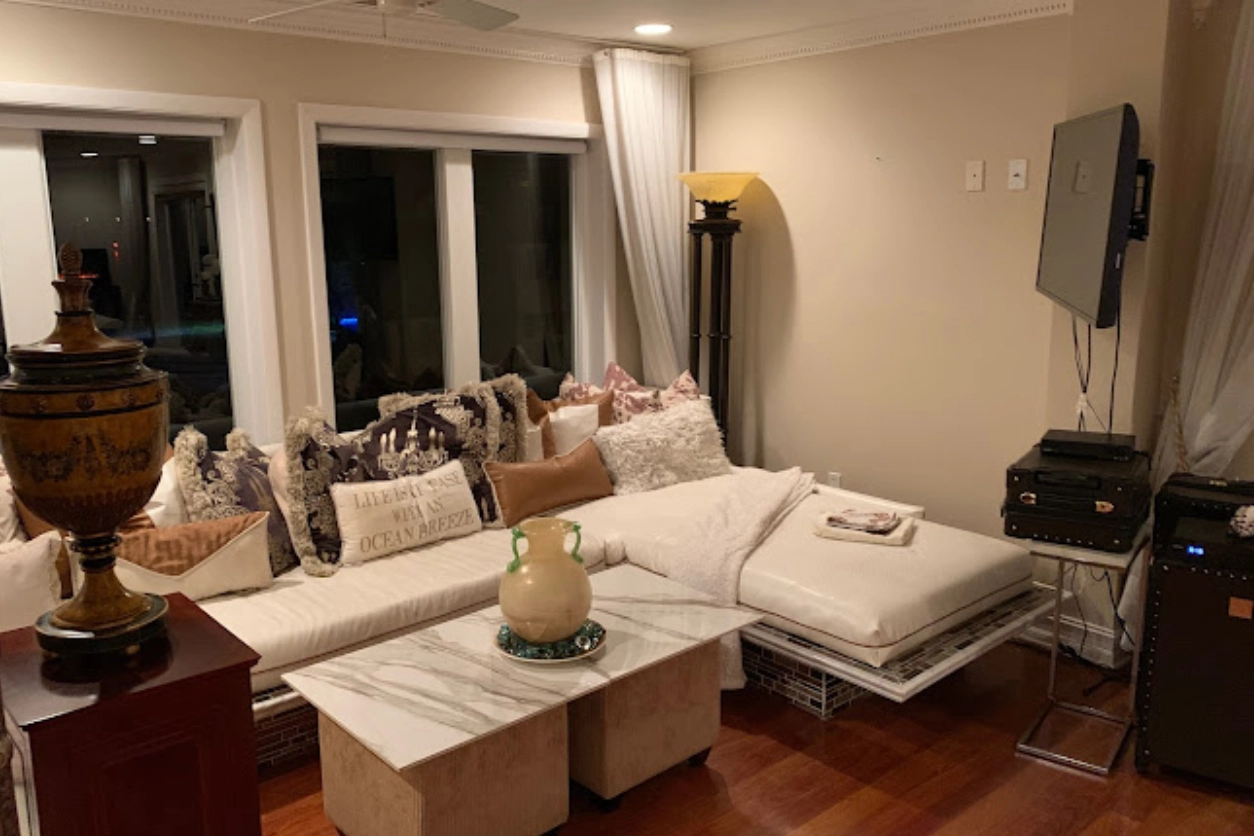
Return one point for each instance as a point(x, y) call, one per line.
point(1105, 561)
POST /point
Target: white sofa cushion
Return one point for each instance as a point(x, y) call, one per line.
point(872, 602)
point(301, 618)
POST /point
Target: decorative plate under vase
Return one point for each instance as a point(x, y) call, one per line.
point(586, 641)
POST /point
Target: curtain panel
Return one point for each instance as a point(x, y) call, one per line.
point(645, 109)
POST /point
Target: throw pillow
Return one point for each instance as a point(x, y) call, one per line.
point(10, 522)
point(417, 433)
point(572, 425)
point(631, 398)
point(510, 393)
point(317, 458)
point(681, 444)
point(231, 484)
point(529, 488)
point(29, 585)
point(381, 518)
point(198, 559)
point(166, 507)
point(36, 526)
point(541, 412)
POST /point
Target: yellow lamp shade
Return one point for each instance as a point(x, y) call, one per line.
point(717, 186)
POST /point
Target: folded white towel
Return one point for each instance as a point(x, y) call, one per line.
point(899, 536)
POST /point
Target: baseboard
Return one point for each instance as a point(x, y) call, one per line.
point(1101, 647)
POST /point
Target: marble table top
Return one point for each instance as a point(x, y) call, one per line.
point(413, 698)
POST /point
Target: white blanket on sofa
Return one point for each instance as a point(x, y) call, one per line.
point(707, 551)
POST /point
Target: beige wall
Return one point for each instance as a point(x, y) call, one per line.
point(1119, 54)
point(887, 324)
point(52, 46)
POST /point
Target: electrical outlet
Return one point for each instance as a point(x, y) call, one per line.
point(975, 176)
point(833, 478)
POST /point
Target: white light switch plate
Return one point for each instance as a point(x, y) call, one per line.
point(975, 175)
point(1017, 176)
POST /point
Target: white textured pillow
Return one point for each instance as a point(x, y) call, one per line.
point(29, 584)
point(380, 518)
point(680, 444)
point(10, 522)
point(165, 508)
point(573, 425)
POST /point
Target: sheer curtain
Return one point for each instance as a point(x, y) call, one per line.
point(1212, 414)
point(644, 106)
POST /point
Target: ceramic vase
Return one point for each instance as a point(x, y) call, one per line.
point(545, 593)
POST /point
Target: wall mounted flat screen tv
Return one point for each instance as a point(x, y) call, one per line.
point(1088, 212)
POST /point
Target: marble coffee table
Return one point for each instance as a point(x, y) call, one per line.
point(437, 733)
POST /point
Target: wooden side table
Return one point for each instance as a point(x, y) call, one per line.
point(159, 744)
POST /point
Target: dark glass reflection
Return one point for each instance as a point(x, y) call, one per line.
point(383, 276)
point(142, 211)
point(523, 247)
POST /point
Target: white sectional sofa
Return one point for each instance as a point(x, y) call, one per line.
point(869, 603)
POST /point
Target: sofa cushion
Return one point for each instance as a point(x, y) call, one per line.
point(871, 602)
point(301, 619)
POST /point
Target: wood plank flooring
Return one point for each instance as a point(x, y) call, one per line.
point(943, 763)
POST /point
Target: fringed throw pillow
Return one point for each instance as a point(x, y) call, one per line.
point(219, 485)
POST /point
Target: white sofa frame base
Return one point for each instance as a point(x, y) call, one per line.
point(900, 679)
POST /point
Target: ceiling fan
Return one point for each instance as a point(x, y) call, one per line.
point(470, 13)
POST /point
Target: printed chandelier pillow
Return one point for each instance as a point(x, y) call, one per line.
point(381, 518)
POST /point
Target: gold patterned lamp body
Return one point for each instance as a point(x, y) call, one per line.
point(83, 427)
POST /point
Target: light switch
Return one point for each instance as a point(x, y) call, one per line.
point(1017, 175)
point(975, 175)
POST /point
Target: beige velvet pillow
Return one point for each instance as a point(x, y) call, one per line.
point(200, 559)
point(525, 489)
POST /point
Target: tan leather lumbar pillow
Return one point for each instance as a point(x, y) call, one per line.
point(524, 489)
point(541, 414)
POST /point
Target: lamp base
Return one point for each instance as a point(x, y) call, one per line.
point(127, 637)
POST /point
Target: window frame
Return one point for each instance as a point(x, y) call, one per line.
point(243, 217)
point(454, 137)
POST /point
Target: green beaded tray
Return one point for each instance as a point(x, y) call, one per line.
point(587, 640)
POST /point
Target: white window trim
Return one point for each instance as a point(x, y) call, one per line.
point(243, 227)
point(453, 136)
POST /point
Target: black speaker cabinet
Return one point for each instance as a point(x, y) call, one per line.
point(1195, 696)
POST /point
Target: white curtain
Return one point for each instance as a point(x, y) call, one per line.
point(645, 109)
point(1212, 413)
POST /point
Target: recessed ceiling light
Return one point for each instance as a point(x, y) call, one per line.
point(653, 29)
point(147, 139)
point(87, 155)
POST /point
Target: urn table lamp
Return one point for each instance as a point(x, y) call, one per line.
point(717, 192)
point(83, 426)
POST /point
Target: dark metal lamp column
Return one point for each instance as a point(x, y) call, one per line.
point(717, 192)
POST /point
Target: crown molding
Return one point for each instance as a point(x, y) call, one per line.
point(345, 24)
point(871, 31)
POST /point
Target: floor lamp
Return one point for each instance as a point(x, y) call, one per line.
point(717, 192)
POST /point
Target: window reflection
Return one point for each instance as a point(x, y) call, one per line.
point(143, 214)
point(383, 276)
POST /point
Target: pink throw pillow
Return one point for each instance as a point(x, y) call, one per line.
point(631, 398)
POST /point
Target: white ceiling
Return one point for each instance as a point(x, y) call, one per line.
point(698, 23)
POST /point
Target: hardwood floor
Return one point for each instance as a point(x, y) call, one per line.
point(944, 763)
